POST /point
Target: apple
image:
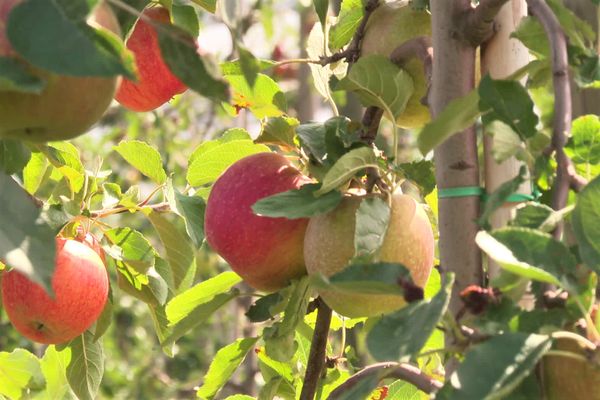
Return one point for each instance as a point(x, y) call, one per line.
point(67, 107)
point(80, 286)
point(329, 246)
point(568, 378)
point(266, 252)
point(389, 26)
point(156, 84)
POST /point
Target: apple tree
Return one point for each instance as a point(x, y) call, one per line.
point(359, 199)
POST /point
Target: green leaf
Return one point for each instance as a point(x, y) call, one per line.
point(351, 14)
point(298, 203)
point(363, 388)
point(191, 209)
point(208, 5)
point(321, 8)
point(493, 369)
point(65, 157)
point(585, 219)
point(372, 219)
point(377, 278)
point(34, 171)
point(211, 159)
point(249, 64)
point(181, 56)
point(26, 242)
point(37, 30)
point(180, 253)
point(346, 167)
point(401, 390)
point(531, 33)
point(15, 77)
point(508, 261)
point(130, 247)
point(379, 82)
point(279, 338)
point(584, 145)
point(14, 156)
point(510, 103)
point(266, 307)
point(403, 334)
point(458, 115)
point(421, 173)
point(19, 371)
point(497, 199)
point(144, 158)
point(280, 131)
point(86, 365)
point(185, 17)
point(223, 365)
point(104, 320)
point(198, 316)
point(183, 304)
point(54, 367)
point(264, 99)
point(531, 215)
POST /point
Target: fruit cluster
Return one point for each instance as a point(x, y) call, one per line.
point(49, 115)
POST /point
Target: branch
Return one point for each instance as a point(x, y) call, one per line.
point(352, 52)
point(562, 101)
point(159, 207)
point(478, 23)
point(316, 358)
point(403, 371)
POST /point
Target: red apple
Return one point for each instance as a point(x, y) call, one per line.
point(68, 105)
point(265, 252)
point(156, 84)
point(80, 285)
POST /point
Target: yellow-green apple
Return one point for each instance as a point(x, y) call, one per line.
point(266, 252)
point(80, 286)
point(329, 246)
point(156, 84)
point(68, 105)
point(391, 25)
point(570, 378)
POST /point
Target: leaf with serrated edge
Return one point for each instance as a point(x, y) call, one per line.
point(144, 158)
point(372, 219)
point(506, 259)
point(181, 305)
point(493, 369)
point(379, 82)
point(403, 334)
point(86, 365)
point(223, 365)
point(459, 114)
point(26, 242)
point(297, 203)
point(346, 167)
point(18, 370)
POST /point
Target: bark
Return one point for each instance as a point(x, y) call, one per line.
point(456, 160)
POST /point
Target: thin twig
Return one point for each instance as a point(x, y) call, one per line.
point(318, 346)
point(562, 101)
point(352, 52)
point(478, 24)
point(159, 207)
point(403, 371)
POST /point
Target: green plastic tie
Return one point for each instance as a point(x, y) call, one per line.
point(465, 191)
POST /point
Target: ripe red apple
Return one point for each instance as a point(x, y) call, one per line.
point(80, 285)
point(265, 252)
point(329, 246)
point(67, 107)
point(156, 84)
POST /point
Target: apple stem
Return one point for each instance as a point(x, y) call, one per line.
point(318, 347)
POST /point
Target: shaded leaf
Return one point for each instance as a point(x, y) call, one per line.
point(372, 219)
point(86, 365)
point(298, 203)
point(346, 167)
point(403, 334)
